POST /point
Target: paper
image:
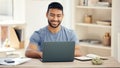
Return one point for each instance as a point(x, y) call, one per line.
point(17, 61)
point(6, 49)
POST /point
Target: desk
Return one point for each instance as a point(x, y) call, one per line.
point(35, 63)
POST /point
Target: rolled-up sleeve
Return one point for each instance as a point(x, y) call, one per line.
point(74, 37)
point(35, 39)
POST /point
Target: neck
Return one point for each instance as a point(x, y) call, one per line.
point(54, 30)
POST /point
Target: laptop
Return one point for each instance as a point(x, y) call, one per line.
point(58, 51)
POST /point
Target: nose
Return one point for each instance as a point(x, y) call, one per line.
point(55, 18)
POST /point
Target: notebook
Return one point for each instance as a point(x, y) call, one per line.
point(90, 57)
point(58, 51)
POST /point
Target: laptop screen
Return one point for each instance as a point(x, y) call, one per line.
point(58, 51)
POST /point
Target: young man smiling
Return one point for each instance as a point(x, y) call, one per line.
point(53, 32)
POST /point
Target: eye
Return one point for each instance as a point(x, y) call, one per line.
point(52, 15)
point(59, 15)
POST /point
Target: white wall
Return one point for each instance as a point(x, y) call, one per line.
point(115, 28)
point(12, 10)
point(119, 47)
point(67, 4)
point(36, 14)
point(19, 10)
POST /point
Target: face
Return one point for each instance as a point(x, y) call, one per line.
point(55, 17)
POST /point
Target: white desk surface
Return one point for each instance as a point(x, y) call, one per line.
point(35, 63)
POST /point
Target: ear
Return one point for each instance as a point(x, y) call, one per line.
point(63, 15)
point(46, 14)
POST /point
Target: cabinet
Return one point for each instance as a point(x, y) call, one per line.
point(12, 34)
point(92, 19)
point(12, 18)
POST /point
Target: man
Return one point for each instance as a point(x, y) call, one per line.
point(53, 32)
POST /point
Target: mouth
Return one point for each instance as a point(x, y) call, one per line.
point(54, 24)
point(54, 21)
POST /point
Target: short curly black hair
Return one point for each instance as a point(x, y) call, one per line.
point(55, 5)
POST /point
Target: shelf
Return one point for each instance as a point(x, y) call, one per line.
point(5, 17)
point(93, 7)
point(12, 22)
point(101, 24)
point(93, 25)
point(94, 45)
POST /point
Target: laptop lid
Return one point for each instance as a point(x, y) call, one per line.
point(58, 51)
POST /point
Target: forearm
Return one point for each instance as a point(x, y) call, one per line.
point(77, 51)
point(33, 54)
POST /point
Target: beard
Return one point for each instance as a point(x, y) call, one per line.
point(54, 25)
